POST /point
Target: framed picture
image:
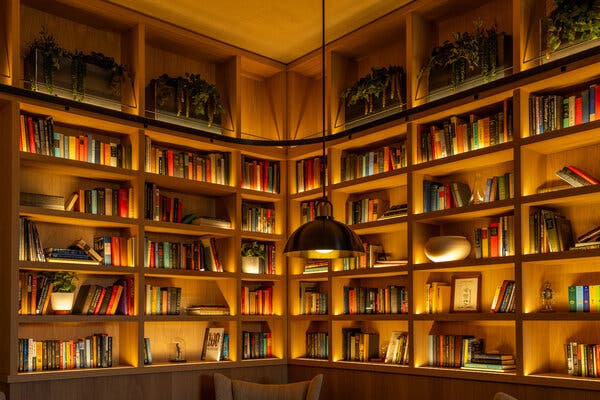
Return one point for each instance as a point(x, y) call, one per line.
point(466, 293)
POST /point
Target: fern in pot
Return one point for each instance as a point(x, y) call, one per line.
point(63, 291)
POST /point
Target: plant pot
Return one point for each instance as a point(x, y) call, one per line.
point(62, 303)
point(441, 78)
point(251, 265)
point(356, 112)
point(447, 248)
point(97, 81)
point(164, 108)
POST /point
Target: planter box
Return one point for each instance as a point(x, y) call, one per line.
point(354, 114)
point(167, 110)
point(441, 78)
point(565, 49)
point(251, 265)
point(97, 82)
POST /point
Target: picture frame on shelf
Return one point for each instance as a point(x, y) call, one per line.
point(466, 293)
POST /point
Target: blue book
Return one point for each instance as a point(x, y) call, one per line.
point(586, 298)
point(592, 102)
point(585, 106)
point(90, 148)
point(579, 298)
point(94, 201)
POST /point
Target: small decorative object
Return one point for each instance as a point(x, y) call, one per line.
point(252, 254)
point(571, 22)
point(177, 350)
point(466, 293)
point(63, 292)
point(447, 248)
point(547, 298)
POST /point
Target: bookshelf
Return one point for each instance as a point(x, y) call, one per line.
point(254, 91)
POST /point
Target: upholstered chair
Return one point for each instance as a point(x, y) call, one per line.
point(503, 396)
point(233, 389)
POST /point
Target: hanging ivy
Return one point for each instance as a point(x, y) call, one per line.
point(51, 54)
point(381, 83)
point(572, 21)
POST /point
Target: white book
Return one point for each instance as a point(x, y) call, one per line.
point(213, 343)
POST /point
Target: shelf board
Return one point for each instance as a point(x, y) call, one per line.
point(40, 214)
point(467, 374)
point(183, 185)
point(471, 263)
point(309, 362)
point(561, 316)
point(564, 139)
point(187, 274)
point(568, 256)
point(371, 272)
point(186, 317)
point(70, 318)
point(473, 211)
point(271, 237)
point(81, 268)
point(564, 380)
point(370, 317)
point(260, 362)
point(259, 318)
point(186, 229)
point(313, 277)
point(309, 317)
point(470, 160)
point(71, 374)
point(480, 316)
point(577, 196)
point(186, 366)
point(257, 195)
point(371, 366)
point(384, 180)
point(261, 277)
point(307, 195)
point(381, 226)
point(69, 167)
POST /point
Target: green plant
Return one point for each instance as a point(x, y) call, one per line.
point(467, 51)
point(254, 249)
point(79, 60)
point(572, 21)
point(63, 281)
point(51, 53)
point(193, 95)
point(381, 83)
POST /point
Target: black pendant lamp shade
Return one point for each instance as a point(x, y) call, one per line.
point(324, 237)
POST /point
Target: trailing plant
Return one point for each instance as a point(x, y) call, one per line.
point(193, 95)
point(78, 72)
point(385, 83)
point(572, 21)
point(466, 52)
point(51, 53)
point(62, 281)
point(254, 249)
point(79, 61)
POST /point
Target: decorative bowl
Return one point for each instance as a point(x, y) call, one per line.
point(447, 248)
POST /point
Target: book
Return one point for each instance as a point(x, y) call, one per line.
point(147, 352)
point(42, 200)
point(489, 367)
point(82, 244)
point(213, 344)
point(208, 310)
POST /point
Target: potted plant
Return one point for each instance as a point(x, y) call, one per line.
point(381, 88)
point(189, 97)
point(96, 74)
point(253, 254)
point(571, 22)
point(46, 53)
point(63, 291)
point(469, 55)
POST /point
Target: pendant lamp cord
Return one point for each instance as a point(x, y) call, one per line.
point(323, 123)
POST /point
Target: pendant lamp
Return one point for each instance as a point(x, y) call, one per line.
point(323, 237)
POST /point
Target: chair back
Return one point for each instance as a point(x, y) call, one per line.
point(233, 389)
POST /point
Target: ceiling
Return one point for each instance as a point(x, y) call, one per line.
point(283, 30)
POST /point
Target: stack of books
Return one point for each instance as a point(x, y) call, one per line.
point(491, 362)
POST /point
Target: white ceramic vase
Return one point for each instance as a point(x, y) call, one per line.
point(62, 303)
point(447, 248)
point(251, 265)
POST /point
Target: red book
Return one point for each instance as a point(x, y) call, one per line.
point(99, 302)
point(584, 175)
point(31, 131)
point(84, 150)
point(115, 295)
point(597, 101)
point(578, 110)
point(448, 197)
point(493, 235)
point(123, 202)
point(170, 163)
point(114, 251)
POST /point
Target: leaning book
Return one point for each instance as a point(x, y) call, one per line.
point(213, 344)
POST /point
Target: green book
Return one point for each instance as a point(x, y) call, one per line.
point(495, 367)
point(572, 299)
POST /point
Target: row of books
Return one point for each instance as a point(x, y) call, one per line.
point(362, 300)
point(365, 210)
point(358, 345)
point(257, 345)
point(317, 345)
point(316, 266)
point(215, 345)
point(504, 297)
point(356, 165)
point(102, 201)
point(442, 196)
point(37, 135)
point(308, 211)
point(163, 300)
point(584, 298)
point(437, 297)
point(373, 252)
point(583, 359)
point(199, 255)
point(99, 300)
point(576, 177)
point(34, 292)
point(452, 351)
point(257, 300)
point(497, 239)
point(549, 231)
point(312, 299)
point(44, 355)
point(550, 112)
point(194, 165)
point(30, 247)
point(258, 218)
point(308, 174)
point(263, 175)
point(115, 251)
point(159, 207)
point(459, 135)
point(397, 349)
